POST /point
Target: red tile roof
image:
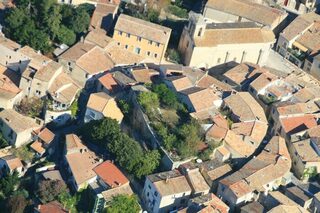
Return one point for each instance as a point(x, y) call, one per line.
point(108, 82)
point(110, 174)
point(52, 207)
point(296, 124)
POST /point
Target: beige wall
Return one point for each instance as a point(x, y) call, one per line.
point(12, 59)
point(157, 53)
point(165, 203)
point(17, 139)
point(9, 103)
point(216, 55)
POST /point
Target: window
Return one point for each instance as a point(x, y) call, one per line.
point(120, 33)
point(126, 46)
point(148, 53)
point(187, 44)
point(156, 194)
point(150, 42)
point(69, 64)
point(118, 43)
point(128, 35)
point(149, 186)
point(138, 38)
point(155, 55)
point(200, 31)
point(158, 44)
point(137, 50)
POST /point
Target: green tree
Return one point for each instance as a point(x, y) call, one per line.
point(88, 8)
point(39, 40)
point(74, 108)
point(49, 190)
point(123, 204)
point(127, 151)
point(3, 141)
point(52, 21)
point(153, 15)
point(149, 162)
point(69, 202)
point(16, 204)
point(67, 12)
point(167, 97)
point(66, 36)
point(80, 21)
point(8, 183)
point(190, 136)
point(148, 100)
point(106, 130)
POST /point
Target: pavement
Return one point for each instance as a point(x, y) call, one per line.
point(276, 61)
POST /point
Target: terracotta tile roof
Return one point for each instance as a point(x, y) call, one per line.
point(293, 125)
point(38, 60)
point(52, 207)
point(64, 89)
point(220, 121)
point(216, 132)
point(102, 17)
point(105, 104)
point(46, 135)
point(253, 11)
point(83, 171)
point(216, 37)
point(37, 147)
point(76, 51)
point(109, 82)
point(211, 82)
point(306, 151)
point(13, 162)
point(311, 38)
point(170, 183)
point(197, 182)
point(122, 56)
point(245, 107)
point(144, 75)
point(263, 81)
point(7, 88)
point(98, 37)
point(74, 142)
point(144, 29)
point(300, 24)
point(271, 164)
point(256, 130)
point(222, 170)
point(122, 190)
point(288, 209)
point(9, 43)
point(200, 98)
point(239, 74)
point(95, 61)
point(237, 146)
point(110, 174)
point(180, 82)
point(48, 71)
point(18, 122)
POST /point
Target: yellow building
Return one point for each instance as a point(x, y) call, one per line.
point(142, 37)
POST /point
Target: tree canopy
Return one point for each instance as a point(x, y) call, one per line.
point(41, 23)
point(49, 190)
point(128, 153)
point(123, 204)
